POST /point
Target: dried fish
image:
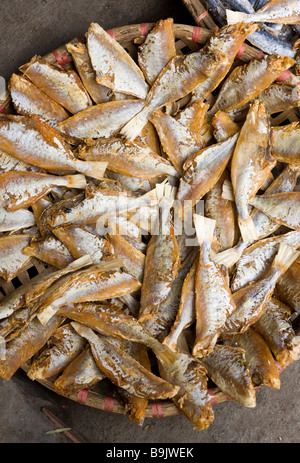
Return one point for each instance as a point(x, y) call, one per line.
point(130, 158)
point(133, 259)
point(114, 67)
point(12, 260)
point(98, 93)
point(283, 208)
point(50, 250)
point(12, 221)
point(32, 140)
point(251, 164)
point(226, 366)
point(286, 142)
point(224, 126)
point(21, 189)
point(276, 11)
point(287, 287)
point(62, 347)
point(246, 82)
point(157, 49)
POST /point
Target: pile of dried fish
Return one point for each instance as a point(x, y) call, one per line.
point(168, 223)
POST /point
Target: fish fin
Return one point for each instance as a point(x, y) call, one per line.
point(134, 127)
point(228, 257)
point(234, 17)
point(161, 191)
point(76, 181)
point(227, 191)
point(92, 169)
point(285, 256)
point(247, 229)
point(205, 228)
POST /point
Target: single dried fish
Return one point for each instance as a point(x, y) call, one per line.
point(251, 164)
point(28, 99)
point(63, 346)
point(12, 221)
point(129, 158)
point(246, 82)
point(101, 120)
point(114, 67)
point(98, 93)
point(226, 366)
point(157, 49)
point(32, 140)
point(64, 87)
point(276, 11)
point(259, 359)
point(12, 259)
point(123, 370)
point(50, 250)
point(21, 189)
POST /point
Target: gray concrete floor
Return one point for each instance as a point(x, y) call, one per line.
point(31, 27)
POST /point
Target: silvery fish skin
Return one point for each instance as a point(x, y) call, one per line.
point(12, 259)
point(276, 329)
point(50, 250)
point(114, 67)
point(81, 373)
point(81, 242)
point(259, 359)
point(246, 82)
point(91, 284)
point(123, 370)
point(64, 87)
point(102, 120)
point(28, 99)
point(27, 344)
point(228, 39)
point(157, 50)
point(129, 158)
point(224, 127)
point(8, 162)
point(21, 189)
point(98, 93)
point(251, 164)
point(283, 208)
point(203, 169)
point(286, 142)
point(287, 288)
point(134, 260)
point(10, 221)
point(276, 11)
point(250, 299)
point(280, 97)
point(33, 141)
point(177, 140)
point(181, 75)
point(256, 258)
point(226, 366)
point(63, 347)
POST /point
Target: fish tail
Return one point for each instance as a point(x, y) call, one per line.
point(205, 228)
point(76, 181)
point(234, 17)
point(227, 191)
point(247, 229)
point(134, 127)
point(285, 256)
point(228, 257)
point(92, 169)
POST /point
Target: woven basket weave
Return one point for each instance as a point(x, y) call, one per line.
point(188, 38)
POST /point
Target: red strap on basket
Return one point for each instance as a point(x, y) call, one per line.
point(62, 60)
point(109, 404)
point(241, 51)
point(82, 396)
point(111, 33)
point(201, 16)
point(285, 75)
point(196, 34)
point(2, 109)
point(157, 411)
point(212, 397)
point(260, 55)
point(144, 29)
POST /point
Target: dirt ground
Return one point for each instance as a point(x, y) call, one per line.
point(36, 27)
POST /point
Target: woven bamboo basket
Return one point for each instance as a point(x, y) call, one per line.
point(188, 38)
